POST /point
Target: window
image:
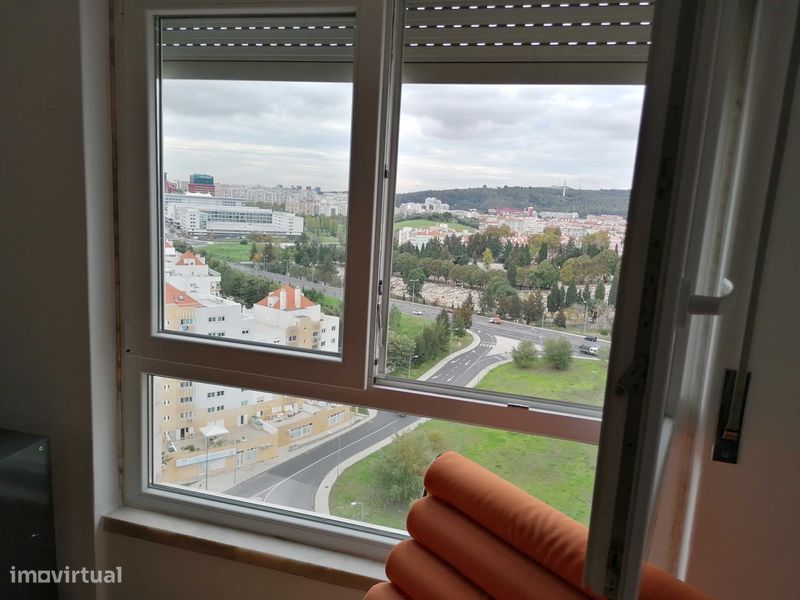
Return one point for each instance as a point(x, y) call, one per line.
point(454, 196)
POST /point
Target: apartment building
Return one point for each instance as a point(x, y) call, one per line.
point(220, 428)
point(189, 272)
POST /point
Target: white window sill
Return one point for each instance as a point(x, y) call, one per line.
point(249, 548)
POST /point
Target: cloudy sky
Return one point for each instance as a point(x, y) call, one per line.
point(450, 135)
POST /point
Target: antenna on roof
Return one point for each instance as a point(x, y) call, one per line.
point(564, 191)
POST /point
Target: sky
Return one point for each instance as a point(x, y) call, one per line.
point(451, 136)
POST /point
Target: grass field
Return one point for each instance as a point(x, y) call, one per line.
point(558, 472)
point(420, 223)
point(584, 382)
point(230, 251)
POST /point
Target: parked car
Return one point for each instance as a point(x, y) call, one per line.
point(587, 349)
point(495, 320)
point(591, 338)
point(416, 312)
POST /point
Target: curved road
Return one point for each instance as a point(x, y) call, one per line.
point(294, 482)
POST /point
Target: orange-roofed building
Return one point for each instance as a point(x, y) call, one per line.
point(287, 317)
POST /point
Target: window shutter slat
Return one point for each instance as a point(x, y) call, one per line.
point(610, 39)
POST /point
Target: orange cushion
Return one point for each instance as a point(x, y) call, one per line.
point(422, 576)
point(384, 591)
point(485, 559)
point(539, 531)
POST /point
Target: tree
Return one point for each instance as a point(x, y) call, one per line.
point(511, 273)
point(399, 351)
point(572, 295)
point(533, 307)
point(524, 354)
point(253, 251)
point(600, 292)
point(487, 258)
point(558, 353)
point(560, 320)
point(442, 327)
point(394, 318)
point(468, 306)
point(414, 280)
point(612, 292)
point(554, 300)
point(545, 275)
point(459, 323)
point(486, 302)
point(398, 473)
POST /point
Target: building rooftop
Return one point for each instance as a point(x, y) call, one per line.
point(173, 295)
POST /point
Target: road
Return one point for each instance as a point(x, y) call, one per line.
point(294, 482)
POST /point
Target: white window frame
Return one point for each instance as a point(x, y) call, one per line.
point(349, 379)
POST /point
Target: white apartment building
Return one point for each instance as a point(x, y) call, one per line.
point(287, 317)
point(190, 273)
point(233, 220)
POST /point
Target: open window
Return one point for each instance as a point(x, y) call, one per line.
point(348, 226)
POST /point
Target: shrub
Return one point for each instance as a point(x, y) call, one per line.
point(524, 355)
point(558, 353)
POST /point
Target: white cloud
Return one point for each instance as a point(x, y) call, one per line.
point(450, 135)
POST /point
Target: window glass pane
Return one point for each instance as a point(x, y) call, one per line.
point(511, 200)
point(339, 460)
point(255, 159)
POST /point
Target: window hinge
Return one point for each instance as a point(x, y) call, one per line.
point(729, 421)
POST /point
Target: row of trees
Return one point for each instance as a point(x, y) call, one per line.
point(241, 287)
point(542, 264)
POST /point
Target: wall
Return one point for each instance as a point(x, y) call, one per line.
point(154, 571)
point(746, 533)
point(57, 368)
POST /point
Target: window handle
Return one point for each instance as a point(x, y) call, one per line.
point(711, 305)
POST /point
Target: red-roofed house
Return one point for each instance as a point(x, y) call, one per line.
point(289, 318)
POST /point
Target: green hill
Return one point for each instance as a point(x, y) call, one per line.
point(583, 202)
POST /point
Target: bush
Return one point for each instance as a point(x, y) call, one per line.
point(398, 474)
point(524, 355)
point(558, 353)
point(560, 320)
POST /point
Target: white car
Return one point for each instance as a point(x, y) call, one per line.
point(416, 312)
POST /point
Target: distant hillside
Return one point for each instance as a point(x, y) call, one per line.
point(583, 202)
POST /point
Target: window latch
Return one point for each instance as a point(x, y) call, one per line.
point(731, 412)
point(711, 305)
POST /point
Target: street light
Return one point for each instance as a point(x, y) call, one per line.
point(362, 508)
point(410, 358)
point(413, 283)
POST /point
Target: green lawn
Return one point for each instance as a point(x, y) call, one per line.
point(420, 223)
point(584, 382)
point(230, 251)
point(558, 472)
